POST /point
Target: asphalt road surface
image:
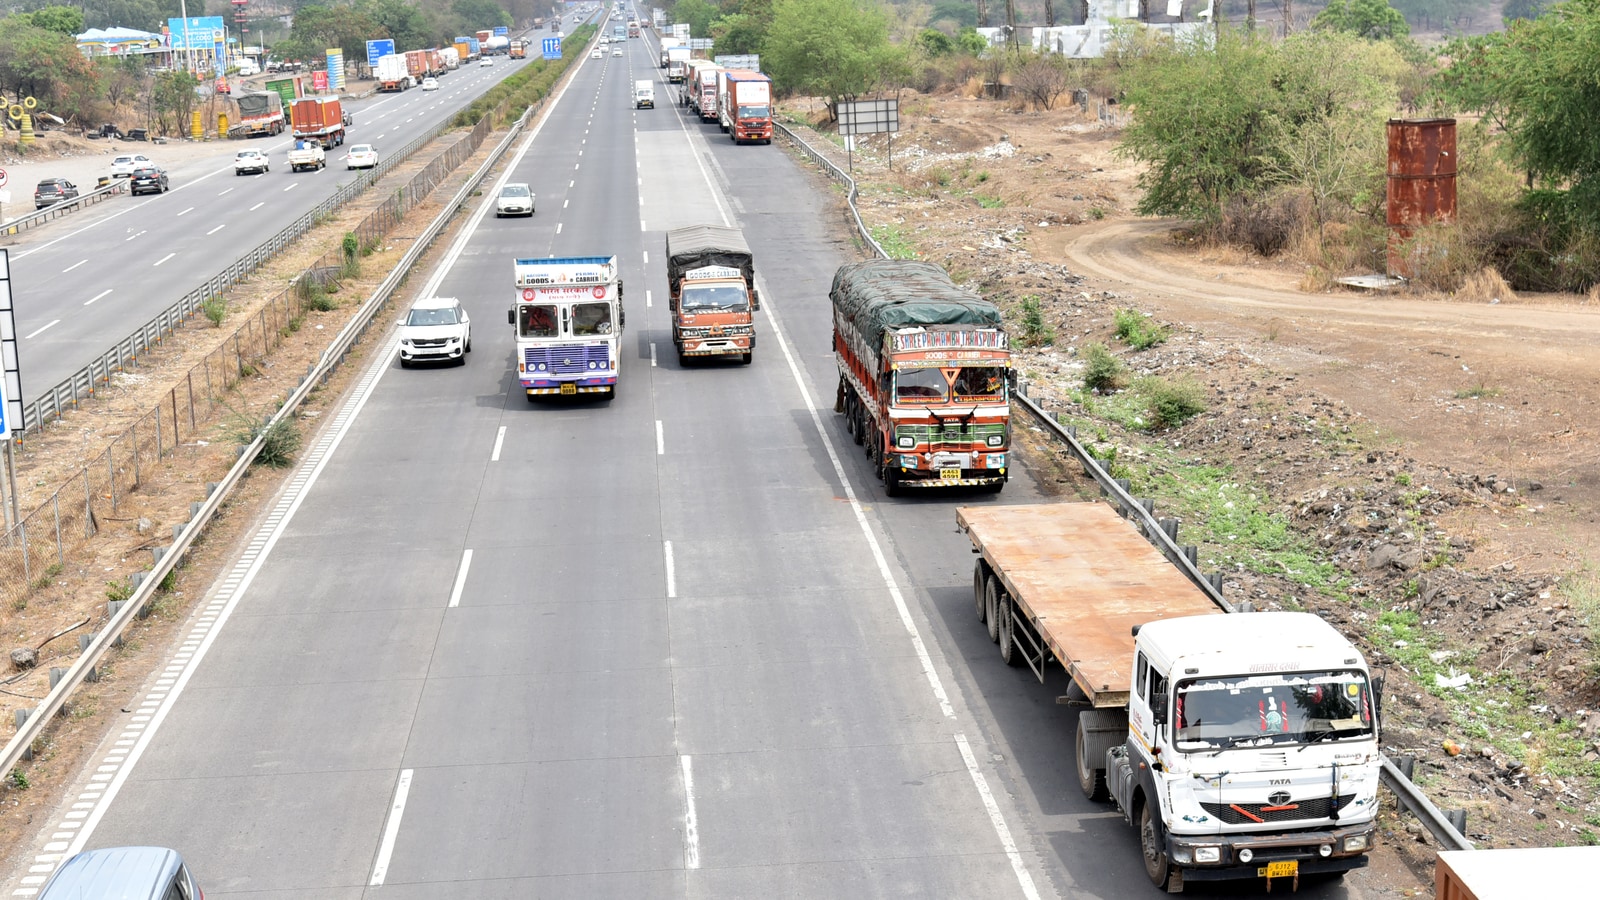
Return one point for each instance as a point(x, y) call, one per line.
point(677, 644)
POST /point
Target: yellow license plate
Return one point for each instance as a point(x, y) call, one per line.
point(569, 388)
point(1286, 869)
point(949, 474)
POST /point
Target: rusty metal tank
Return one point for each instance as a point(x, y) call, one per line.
point(1422, 181)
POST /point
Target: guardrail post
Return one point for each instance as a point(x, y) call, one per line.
point(84, 640)
point(1170, 528)
point(1191, 553)
point(1216, 581)
point(21, 717)
point(1457, 819)
point(1407, 766)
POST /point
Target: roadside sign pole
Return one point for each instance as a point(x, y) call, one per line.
point(10, 388)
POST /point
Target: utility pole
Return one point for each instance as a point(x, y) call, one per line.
point(1250, 15)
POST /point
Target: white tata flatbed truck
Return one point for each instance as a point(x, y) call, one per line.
point(1240, 746)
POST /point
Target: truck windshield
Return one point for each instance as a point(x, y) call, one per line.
point(921, 386)
point(536, 320)
point(755, 112)
point(1295, 708)
point(591, 319)
point(714, 299)
point(979, 383)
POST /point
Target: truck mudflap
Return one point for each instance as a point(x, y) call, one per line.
point(1277, 857)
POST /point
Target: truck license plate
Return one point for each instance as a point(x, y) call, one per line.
point(1285, 869)
point(949, 474)
point(569, 388)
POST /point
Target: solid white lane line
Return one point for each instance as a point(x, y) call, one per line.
point(165, 258)
point(257, 206)
point(217, 229)
point(499, 439)
point(691, 825)
point(661, 441)
point(647, 300)
point(41, 330)
point(97, 296)
point(391, 829)
point(652, 356)
point(672, 572)
point(187, 211)
point(461, 578)
point(997, 820)
point(73, 266)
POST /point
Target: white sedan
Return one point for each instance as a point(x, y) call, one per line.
point(486, 61)
point(597, 53)
point(361, 156)
point(123, 166)
point(430, 83)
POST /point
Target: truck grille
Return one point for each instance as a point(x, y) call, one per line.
point(961, 435)
point(1258, 813)
point(567, 360)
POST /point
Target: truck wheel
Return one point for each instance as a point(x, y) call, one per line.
point(1092, 780)
point(977, 587)
point(1155, 852)
point(746, 358)
point(891, 482)
point(1007, 631)
point(991, 607)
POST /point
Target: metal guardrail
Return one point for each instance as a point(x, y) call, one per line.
point(1159, 531)
point(66, 207)
point(82, 384)
point(30, 728)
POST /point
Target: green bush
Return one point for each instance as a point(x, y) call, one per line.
point(215, 309)
point(1138, 330)
point(1102, 371)
point(280, 440)
point(1035, 333)
point(1171, 403)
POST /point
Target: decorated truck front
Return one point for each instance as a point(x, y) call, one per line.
point(923, 375)
point(568, 319)
point(711, 292)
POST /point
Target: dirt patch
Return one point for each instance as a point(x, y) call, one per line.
point(1438, 451)
point(80, 589)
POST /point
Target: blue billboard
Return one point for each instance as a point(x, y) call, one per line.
point(376, 50)
point(552, 48)
point(501, 31)
point(200, 35)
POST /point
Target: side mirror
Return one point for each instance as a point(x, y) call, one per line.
point(755, 300)
point(619, 289)
point(399, 322)
point(1158, 708)
point(511, 317)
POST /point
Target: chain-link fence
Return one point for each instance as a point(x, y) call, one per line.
point(38, 547)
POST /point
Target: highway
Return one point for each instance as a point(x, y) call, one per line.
point(677, 644)
point(88, 280)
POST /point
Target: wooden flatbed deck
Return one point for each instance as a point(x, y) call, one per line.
point(1083, 576)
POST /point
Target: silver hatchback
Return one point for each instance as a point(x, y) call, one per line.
point(135, 873)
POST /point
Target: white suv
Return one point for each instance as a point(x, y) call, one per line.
point(436, 328)
point(123, 166)
point(251, 161)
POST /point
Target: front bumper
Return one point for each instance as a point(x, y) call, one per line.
point(1298, 847)
point(411, 353)
point(536, 387)
point(514, 210)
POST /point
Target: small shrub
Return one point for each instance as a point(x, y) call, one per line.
point(988, 202)
point(1102, 371)
point(1479, 392)
point(1263, 224)
point(215, 309)
point(117, 591)
point(1171, 403)
point(1485, 286)
point(280, 441)
point(350, 249)
point(18, 780)
point(893, 242)
point(316, 295)
point(1096, 213)
point(1035, 333)
point(1138, 330)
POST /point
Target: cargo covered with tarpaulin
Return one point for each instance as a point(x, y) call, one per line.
point(697, 246)
point(878, 296)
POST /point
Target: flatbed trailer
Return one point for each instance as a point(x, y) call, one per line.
point(1082, 577)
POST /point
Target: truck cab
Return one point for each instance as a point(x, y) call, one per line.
point(1247, 748)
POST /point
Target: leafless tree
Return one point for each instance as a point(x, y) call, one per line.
point(983, 14)
point(1011, 24)
point(1049, 13)
point(1042, 80)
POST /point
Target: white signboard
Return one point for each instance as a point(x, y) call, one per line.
point(869, 116)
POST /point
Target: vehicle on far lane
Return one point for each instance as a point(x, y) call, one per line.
point(617, 52)
point(251, 162)
point(486, 61)
point(361, 156)
point(123, 166)
point(51, 191)
point(597, 53)
point(430, 84)
point(148, 179)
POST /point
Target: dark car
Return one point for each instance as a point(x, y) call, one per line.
point(148, 179)
point(51, 191)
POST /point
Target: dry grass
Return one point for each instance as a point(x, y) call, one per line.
point(1485, 286)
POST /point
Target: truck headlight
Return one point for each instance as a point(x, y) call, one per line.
point(996, 440)
point(906, 442)
point(1182, 856)
point(908, 462)
point(1207, 854)
point(1355, 843)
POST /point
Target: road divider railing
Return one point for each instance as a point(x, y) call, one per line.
point(32, 723)
point(64, 208)
point(1446, 828)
